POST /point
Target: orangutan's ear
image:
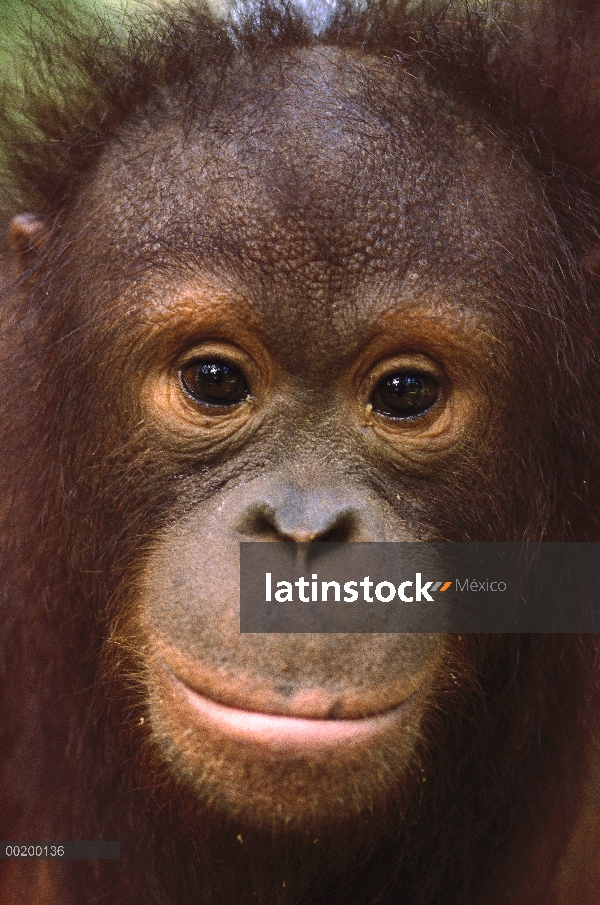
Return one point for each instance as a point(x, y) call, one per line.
point(27, 233)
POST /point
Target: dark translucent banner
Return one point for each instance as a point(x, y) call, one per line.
point(420, 587)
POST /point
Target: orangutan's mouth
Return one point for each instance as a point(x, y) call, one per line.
point(276, 730)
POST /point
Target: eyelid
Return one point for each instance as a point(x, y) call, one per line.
point(215, 349)
point(210, 357)
point(223, 352)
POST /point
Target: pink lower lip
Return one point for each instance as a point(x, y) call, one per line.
point(276, 731)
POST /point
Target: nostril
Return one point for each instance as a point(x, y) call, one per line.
point(260, 523)
point(340, 532)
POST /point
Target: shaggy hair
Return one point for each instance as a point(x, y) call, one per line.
point(533, 70)
point(71, 539)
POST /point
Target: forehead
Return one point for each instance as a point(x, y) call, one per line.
point(321, 172)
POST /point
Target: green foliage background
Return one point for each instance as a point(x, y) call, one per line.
point(18, 14)
point(19, 19)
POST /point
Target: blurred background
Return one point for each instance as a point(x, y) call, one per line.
point(20, 18)
point(14, 14)
point(12, 11)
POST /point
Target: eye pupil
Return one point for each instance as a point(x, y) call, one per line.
point(214, 383)
point(405, 394)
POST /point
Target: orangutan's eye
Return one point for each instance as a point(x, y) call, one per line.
point(214, 383)
point(405, 394)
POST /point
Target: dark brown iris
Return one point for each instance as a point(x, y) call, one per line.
point(405, 394)
point(214, 383)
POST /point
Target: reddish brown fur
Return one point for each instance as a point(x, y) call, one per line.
point(493, 807)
